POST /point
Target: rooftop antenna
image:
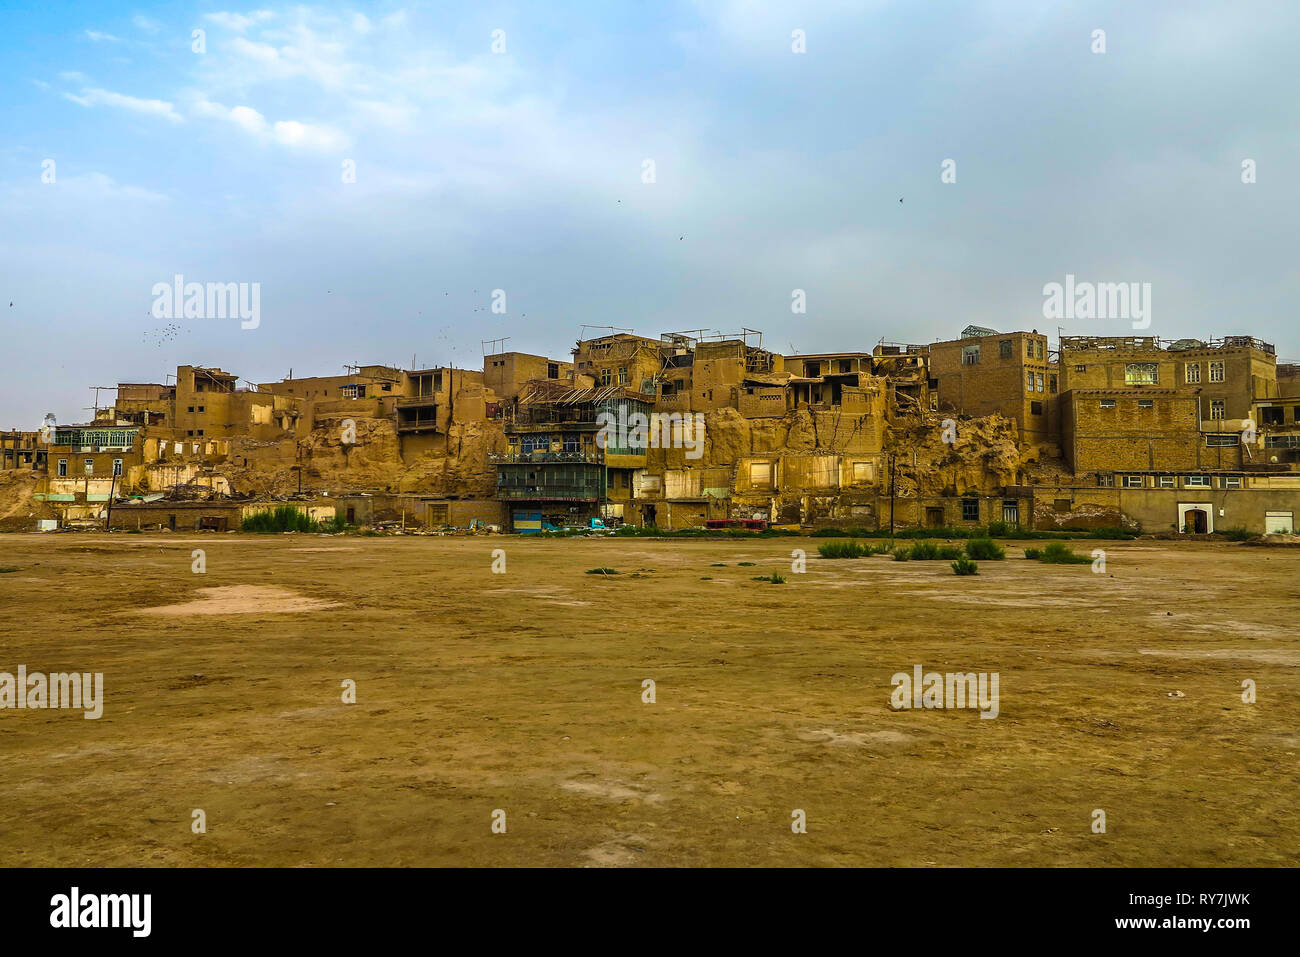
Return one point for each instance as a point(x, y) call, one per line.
point(98, 389)
point(496, 345)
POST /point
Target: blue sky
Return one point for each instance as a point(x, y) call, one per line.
point(522, 171)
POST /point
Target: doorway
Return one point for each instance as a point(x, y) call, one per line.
point(1196, 518)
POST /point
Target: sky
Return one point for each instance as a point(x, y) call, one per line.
point(381, 170)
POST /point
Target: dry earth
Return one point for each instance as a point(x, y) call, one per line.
point(522, 691)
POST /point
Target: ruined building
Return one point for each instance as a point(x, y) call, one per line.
point(691, 428)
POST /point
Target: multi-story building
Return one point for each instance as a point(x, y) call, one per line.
point(1011, 374)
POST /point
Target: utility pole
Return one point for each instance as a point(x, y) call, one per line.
point(108, 515)
point(893, 456)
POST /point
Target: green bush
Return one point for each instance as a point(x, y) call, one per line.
point(964, 566)
point(842, 550)
point(924, 552)
point(601, 571)
point(997, 529)
point(1033, 553)
point(985, 549)
point(1235, 534)
point(1058, 554)
point(282, 518)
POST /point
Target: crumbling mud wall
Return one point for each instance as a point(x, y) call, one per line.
point(19, 509)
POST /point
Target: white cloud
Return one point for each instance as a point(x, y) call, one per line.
point(307, 136)
point(161, 108)
point(290, 133)
point(98, 37)
point(145, 24)
point(239, 22)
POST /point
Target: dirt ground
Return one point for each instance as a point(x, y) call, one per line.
point(522, 692)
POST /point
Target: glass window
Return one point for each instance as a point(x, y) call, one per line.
point(1216, 371)
point(1141, 373)
point(970, 510)
point(1004, 349)
point(1132, 481)
point(1216, 409)
point(1230, 481)
point(1108, 403)
point(1196, 481)
point(63, 467)
point(970, 355)
point(1192, 372)
point(1166, 481)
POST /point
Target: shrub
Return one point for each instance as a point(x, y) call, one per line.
point(1058, 554)
point(985, 549)
point(964, 566)
point(997, 529)
point(902, 554)
point(601, 571)
point(924, 552)
point(775, 578)
point(949, 552)
point(842, 550)
point(282, 518)
point(1033, 553)
point(1235, 534)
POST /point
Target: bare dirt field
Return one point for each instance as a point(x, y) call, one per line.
point(522, 692)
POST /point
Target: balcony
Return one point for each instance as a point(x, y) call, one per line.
point(417, 415)
point(525, 458)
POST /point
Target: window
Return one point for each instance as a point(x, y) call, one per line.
point(552, 370)
point(1270, 415)
point(1141, 373)
point(1146, 404)
point(1221, 441)
point(862, 471)
point(605, 377)
point(970, 355)
point(190, 409)
point(846, 365)
point(1216, 371)
point(1035, 408)
point(1192, 372)
point(1039, 379)
point(200, 408)
point(117, 466)
point(1216, 408)
point(1004, 349)
point(189, 431)
point(1108, 403)
point(1029, 382)
point(1165, 481)
point(622, 375)
point(63, 467)
point(1105, 480)
point(760, 473)
point(1051, 383)
point(1230, 481)
point(812, 369)
point(200, 431)
point(1196, 481)
point(1080, 368)
point(1295, 414)
point(1132, 481)
point(970, 510)
point(89, 467)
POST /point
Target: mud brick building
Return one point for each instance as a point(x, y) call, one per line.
point(1011, 374)
point(1188, 435)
